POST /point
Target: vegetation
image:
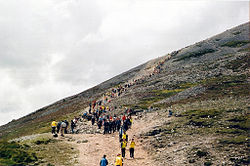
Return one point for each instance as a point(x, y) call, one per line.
point(54, 152)
point(12, 153)
point(195, 54)
point(237, 43)
point(38, 126)
point(237, 32)
point(157, 95)
point(239, 64)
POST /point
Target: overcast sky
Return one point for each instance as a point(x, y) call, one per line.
point(51, 49)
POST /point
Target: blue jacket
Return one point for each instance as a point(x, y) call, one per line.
point(103, 162)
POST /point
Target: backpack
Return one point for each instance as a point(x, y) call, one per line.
point(63, 124)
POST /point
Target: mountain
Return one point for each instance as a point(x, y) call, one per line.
point(206, 85)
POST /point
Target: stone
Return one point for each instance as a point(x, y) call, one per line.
point(85, 141)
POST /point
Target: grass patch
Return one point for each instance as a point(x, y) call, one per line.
point(55, 152)
point(226, 86)
point(234, 140)
point(201, 118)
point(157, 95)
point(239, 64)
point(237, 43)
point(12, 153)
point(195, 54)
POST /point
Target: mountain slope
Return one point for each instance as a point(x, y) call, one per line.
point(205, 84)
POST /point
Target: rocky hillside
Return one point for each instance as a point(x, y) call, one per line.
point(205, 84)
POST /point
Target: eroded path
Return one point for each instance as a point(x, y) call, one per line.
point(97, 145)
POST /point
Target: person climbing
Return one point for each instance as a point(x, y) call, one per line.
point(72, 125)
point(93, 120)
point(120, 134)
point(125, 136)
point(131, 121)
point(132, 148)
point(118, 160)
point(106, 126)
point(170, 113)
point(66, 128)
point(118, 124)
point(123, 118)
point(123, 147)
point(104, 161)
point(63, 126)
point(58, 126)
point(99, 123)
point(125, 125)
point(53, 126)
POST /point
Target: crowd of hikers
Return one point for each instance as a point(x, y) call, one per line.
point(100, 115)
point(62, 127)
point(109, 124)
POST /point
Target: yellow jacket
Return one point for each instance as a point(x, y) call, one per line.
point(124, 144)
point(53, 124)
point(132, 144)
point(124, 136)
point(118, 161)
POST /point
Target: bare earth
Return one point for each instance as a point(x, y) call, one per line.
point(91, 152)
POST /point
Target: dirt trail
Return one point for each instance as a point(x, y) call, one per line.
point(91, 152)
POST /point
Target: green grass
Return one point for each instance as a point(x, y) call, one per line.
point(12, 153)
point(234, 140)
point(201, 118)
point(222, 86)
point(237, 43)
point(157, 95)
point(195, 54)
point(37, 127)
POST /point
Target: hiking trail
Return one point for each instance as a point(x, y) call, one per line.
point(93, 146)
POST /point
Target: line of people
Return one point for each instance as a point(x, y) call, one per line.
point(119, 160)
point(62, 127)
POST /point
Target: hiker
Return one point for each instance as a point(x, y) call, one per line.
point(72, 125)
point(170, 113)
point(131, 121)
point(58, 126)
point(123, 118)
point(99, 123)
point(106, 127)
point(113, 125)
point(109, 126)
point(125, 125)
point(120, 134)
point(132, 148)
point(104, 161)
point(53, 126)
point(93, 120)
point(123, 147)
point(125, 136)
point(118, 124)
point(118, 160)
point(65, 129)
point(63, 126)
